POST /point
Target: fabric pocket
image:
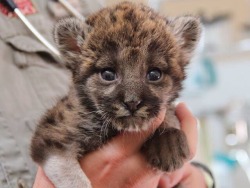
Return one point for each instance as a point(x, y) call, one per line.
point(27, 44)
point(27, 51)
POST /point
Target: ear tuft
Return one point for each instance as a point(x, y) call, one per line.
point(187, 30)
point(69, 35)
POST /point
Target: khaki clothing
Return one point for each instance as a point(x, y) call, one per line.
point(30, 83)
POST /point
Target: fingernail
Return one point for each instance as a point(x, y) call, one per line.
point(176, 103)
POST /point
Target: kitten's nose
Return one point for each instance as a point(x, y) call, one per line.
point(132, 106)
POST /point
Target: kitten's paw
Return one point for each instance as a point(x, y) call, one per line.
point(167, 150)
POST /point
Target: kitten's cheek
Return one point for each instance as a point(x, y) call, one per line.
point(159, 119)
point(109, 90)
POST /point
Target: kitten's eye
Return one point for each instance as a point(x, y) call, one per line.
point(108, 75)
point(154, 75)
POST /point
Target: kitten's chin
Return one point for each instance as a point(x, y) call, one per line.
point(131, 124)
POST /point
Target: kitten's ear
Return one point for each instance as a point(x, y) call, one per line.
point(187, 30)
point(69, 36)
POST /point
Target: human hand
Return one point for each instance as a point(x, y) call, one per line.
point(188, 176)
point(120, 164)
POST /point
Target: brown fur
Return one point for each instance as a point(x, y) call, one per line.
point(131, 40)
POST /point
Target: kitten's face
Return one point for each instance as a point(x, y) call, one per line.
point(129, 66)
point(129, 85)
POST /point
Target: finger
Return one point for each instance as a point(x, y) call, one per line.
point(41, 180)
point(164, 181)
point(187, 176)
point(168, 180)
point(193, 177)
point(188, 126)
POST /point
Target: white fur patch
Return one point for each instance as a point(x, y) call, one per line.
point(137, 128)
point(65, 172)
point(109, 90)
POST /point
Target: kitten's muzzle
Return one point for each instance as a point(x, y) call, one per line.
point(132, 106)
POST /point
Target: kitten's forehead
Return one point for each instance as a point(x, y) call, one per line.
point(130, 36)
point(124, 12)
point(128, 25)
point(128, 61)
point(132, 55)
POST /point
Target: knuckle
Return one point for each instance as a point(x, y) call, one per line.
point(192, 153)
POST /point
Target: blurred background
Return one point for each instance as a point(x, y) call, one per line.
point(218, 86)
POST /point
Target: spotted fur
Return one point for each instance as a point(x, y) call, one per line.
point(131, 40)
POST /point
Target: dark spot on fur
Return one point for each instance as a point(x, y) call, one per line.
point(58, 145)
point(53, 143)
point(92, 47)
point(80, 79)
point(49, 119)
point(130, 16)
point(134, 54)
point(37, 149)
point(153, 46)
point(69, 106)
point(85, 99)
point(110, 46)
point(143, 34)
point(61, 116)
point(113, 18)
point(64, 99)
point(152, 102)
point(48, 142)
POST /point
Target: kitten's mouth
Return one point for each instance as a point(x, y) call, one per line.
point(124, 120)
point(131, 123)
